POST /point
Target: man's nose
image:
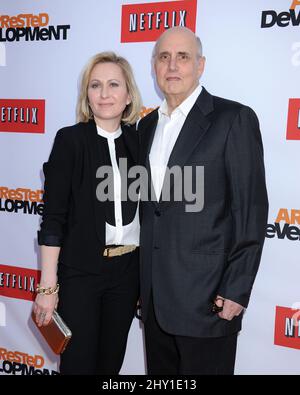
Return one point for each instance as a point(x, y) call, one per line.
point(173, 63)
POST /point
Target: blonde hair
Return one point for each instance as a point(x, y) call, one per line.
point(132, 110)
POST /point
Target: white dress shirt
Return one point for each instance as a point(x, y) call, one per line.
point(166, 134)
point(119, 234)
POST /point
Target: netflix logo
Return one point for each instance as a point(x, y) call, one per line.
point(293, 122)
point(22, 116)
point(287, 327)
point(146, 22)
point(18, 282)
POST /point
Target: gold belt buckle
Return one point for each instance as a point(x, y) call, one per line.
point(110, 252)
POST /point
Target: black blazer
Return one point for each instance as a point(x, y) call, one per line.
point(188, 258)
point(73, 218)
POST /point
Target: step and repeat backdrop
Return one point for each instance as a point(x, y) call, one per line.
point(253, 56)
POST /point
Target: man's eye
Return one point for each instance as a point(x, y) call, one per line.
point(164, 57)
point(183, 56)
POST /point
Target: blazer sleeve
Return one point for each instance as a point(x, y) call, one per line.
point(57, 191)
point(249, 206)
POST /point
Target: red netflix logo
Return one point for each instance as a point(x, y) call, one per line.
point(23, 116)
point(287, 327)
point(146, 22)
point(293, 123)
point(18, 282)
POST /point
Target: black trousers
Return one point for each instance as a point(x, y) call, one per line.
point(172, 355)
point(99, 310)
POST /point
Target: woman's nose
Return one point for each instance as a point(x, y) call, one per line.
point(104, 92)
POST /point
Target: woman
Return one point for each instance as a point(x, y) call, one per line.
point(88, 243)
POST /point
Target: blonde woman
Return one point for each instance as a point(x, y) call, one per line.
point(90, 246)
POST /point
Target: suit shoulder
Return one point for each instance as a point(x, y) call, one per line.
point(230, 106)
point(73, 131)
point(223, 104)
point(73, 137)
point(148, 119)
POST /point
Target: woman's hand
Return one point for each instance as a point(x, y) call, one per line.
point(45, 304)
point(43, 308)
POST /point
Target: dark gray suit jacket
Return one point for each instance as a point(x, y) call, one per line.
point(188, 258)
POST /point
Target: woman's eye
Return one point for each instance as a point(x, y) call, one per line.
point(94, 86)
point(114, 84)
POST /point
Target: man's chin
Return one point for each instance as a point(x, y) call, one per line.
point(173, 90)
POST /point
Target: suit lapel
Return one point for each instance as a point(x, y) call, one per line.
point(193, 130)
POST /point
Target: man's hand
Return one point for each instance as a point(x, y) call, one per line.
point(230, 309)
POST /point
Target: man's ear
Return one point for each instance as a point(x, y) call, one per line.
point(201, 65)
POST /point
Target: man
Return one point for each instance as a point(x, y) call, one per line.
point(198, 268)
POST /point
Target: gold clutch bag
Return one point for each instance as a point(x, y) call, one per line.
point(56, 333)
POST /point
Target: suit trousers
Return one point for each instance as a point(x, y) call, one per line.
point(99, 310)
point(173, 355)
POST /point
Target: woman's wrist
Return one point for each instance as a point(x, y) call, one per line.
point(41, 290)
point(48, 281)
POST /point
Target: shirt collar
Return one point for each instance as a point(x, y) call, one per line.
point(109, 135)
point(186, 106)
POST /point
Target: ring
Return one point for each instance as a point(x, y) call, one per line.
point(42, 315)
point(216, 308)
point(220, 298)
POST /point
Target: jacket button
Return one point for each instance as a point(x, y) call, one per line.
point(157, 213)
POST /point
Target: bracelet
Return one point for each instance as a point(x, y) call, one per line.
point(47, 291)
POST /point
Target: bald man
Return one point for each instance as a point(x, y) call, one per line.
point(199, 258)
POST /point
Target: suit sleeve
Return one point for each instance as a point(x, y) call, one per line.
point(249, 206)
point(57, 191)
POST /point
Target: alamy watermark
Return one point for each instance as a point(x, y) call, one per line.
point(179, 184)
